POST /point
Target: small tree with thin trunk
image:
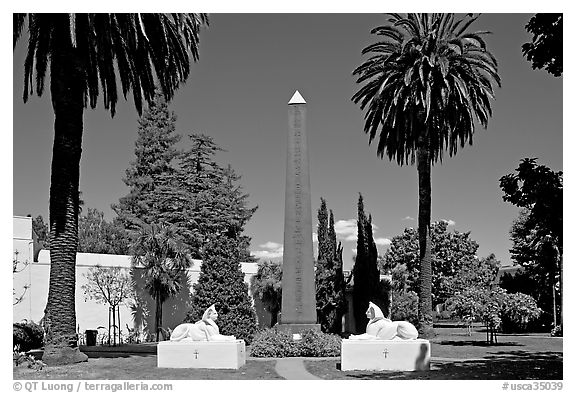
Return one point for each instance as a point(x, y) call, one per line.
point(165, 260)
point(266, 285)
point(109, 285)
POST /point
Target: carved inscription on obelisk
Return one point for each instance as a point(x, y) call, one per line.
point(298, 290)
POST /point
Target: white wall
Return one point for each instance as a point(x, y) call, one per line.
point(89, 315)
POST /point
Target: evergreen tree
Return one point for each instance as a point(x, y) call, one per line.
point(221, 282)
point(340, 304)
point(201, 197)
point(155, 153)
point(366, 275)
point(330, 297)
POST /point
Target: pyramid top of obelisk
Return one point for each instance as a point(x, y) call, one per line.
point(297, 99)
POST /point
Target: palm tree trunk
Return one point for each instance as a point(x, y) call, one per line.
point(158, 318)
point(425, 328)
point(67, 90)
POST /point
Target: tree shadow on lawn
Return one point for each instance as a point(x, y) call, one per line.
point(475, 343)
point(507, 365)
point(490, 369)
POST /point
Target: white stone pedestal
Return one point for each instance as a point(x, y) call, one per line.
point(397, 355)
point(202, 354)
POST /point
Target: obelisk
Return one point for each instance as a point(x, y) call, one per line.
point(298, 286)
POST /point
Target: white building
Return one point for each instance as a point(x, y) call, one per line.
point(34, 275)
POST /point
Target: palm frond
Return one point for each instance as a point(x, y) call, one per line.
point(18, 22)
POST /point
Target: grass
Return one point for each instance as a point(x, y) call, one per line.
point(143, 367)
point(455, 355)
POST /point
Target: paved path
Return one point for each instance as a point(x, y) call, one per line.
point(293, 368)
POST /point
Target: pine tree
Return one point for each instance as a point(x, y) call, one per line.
point(221, 282)
point(366, 275)
point(330, 295)
point(202, 197)
point(155, 153)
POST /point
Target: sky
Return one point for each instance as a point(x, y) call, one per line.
point(250, 65)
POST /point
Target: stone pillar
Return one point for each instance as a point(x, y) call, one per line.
point(298, 286)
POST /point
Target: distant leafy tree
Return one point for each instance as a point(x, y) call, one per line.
point(330, 286)
point(367, 286)
point(109, 285)
point(266, 285)
point(404, 306)
point(449, 250)
point(96, 235)
point(42, 232)
point(156, 154)
point(474, 272)
point(160, 252)
point(537, 234)
point(426, 85)
point(545, 50)
point(221, 282)
point(88, 54)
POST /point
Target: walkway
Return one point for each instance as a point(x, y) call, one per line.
point(293, 368)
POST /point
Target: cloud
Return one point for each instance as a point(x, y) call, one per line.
point(314, 237)
point(345, 227)
point(450, 222)
point(382, 241)
point(270, 245)
point(271, 250)
point(265, 254)
point(408, 218)
point(347, 230)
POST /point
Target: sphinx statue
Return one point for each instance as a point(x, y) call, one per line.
point(382, 328)
point(203, 330)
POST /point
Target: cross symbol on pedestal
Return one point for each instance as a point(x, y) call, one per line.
point(196, 354)
point(385, 353)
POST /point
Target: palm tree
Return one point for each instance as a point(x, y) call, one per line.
point(426, 84)
point(165, 260)
point(87, 53)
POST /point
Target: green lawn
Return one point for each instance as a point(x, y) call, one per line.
point(536, 356)
point(138, 367)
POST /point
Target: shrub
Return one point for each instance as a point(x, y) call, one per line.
point(556, 331)
point(519, 309)
point(27, 336)
point(19, 358)
point(317, 344)
point(275, 343)
point(405, 306)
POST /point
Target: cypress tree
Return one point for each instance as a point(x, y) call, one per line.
point(221, 282)
point(340, 285)
point(330, 296)
point(366, 274)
